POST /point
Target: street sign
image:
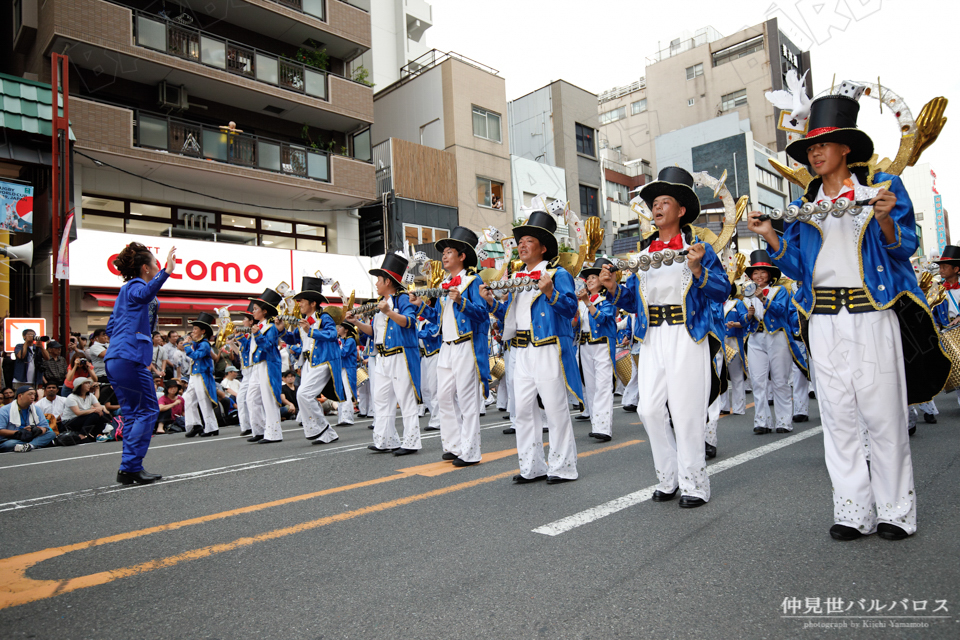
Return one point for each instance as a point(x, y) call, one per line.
point(13, 329)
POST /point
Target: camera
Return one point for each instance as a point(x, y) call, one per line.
point(44, 338)
point(83, 362)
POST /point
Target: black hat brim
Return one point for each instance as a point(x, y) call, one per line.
point(389, 276)
point(773, 271)
point(203, 325)
point(861, 146)
point(683, 194)
point(546, 238)
point(313, 296)
point(459, 245)
point(263, 303)
point(951, 261)
point(586, 272)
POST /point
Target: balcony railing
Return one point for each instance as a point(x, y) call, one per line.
point(175, 39)
point(195, 140)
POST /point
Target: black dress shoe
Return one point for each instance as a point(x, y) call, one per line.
point(889, 531)
point(559, 480)
point(207, 434)
point(660, 496)
point(429, 428)
point(724, 413)
point(195, 430)
point(404, 452)
point(344, 424)
point(709, 451)
point(519, 479)
point(844, 533)
point(509, 431)
point(630, 408)
point(812, 395)
point(265, 441)
point(691, 502)
point(140, 477)
point(247, 432)
point(761, 430)
point(782, 430)
point(319, 434)
point(912, 430)
point(449, 456)
point(581, 417)
point(801, 418)
point(255, 439)
point(328, 442)
point(377, 449)
point(602, 437)
point(770, 402)
point(463, 463)
point(929, 418)
point(501, 409)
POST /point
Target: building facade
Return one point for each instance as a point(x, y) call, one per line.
point(397, 33)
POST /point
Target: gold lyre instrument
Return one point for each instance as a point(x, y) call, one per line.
point(222, 336)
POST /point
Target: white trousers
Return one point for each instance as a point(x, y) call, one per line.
point(801, 392)
point(263, 409)
point(769, 355)
point(598, 386)
point(538, 371)
point(395, 387)
point(734, 399)
point(312, 382)
point(345, 408)
point(507, 383)
point(365, 392)
point(196, 402)
point(457, 381)
point(713, 418)
point(859, 364)
point(676, 370)
point(428, 388)
point(631, 394)
point(504, 394)
point(242, 411)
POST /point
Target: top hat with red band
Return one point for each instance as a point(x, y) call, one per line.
point(269, 302)
point(310, 289)
point(463, 240)
point(759, 259)
point(540, 225)
point(833, 118)
point(393, 267)
point(950, 255)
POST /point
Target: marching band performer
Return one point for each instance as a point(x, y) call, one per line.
point(321, 372)
point(631, 391)
point(348, 363)
point(799, 372)
point(241, 345)
point(463, 370)
point(263, 394)
point(598, 351)
point(768, 315)
point(430, 341)
point(947, 313)
point(538, 323)
point(735, 321)
point(720, 366)
point(861, 296)
point(674, 322)
point(201, 393)
point(394, 332)
point(365, 391)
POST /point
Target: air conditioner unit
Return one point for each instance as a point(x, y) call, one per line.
point(172, 96)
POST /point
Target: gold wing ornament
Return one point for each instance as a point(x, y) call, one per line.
point(732, 211)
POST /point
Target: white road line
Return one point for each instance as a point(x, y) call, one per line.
point(590, 515)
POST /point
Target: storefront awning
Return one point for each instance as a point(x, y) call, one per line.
point(175, 303)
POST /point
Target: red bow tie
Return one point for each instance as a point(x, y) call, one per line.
point(453, 283)
point(848, 194)
point(951, 285)
point(765, 292)
point(594, 297)
point(676, 244)
point(534, 275)
point(310, 320)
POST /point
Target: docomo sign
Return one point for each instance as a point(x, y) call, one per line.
point(198, 270)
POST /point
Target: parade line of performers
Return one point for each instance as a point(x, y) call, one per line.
point(851, 317)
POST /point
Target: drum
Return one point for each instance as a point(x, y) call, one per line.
point(362, 375)
point(624, 366)
point(497, 367)
point(730, 352)
point(950, 339)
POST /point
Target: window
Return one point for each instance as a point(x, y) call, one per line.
point(689, 102)
point(638, 107)
point(619, 192)
point(770, 179)
point(489, 193)
point(738, 51)
point(733, 100)
point(418, 234)
point(588, 201)
point(695, 71)
point(613, 115)
point(585, 141)
point(361, 146)
point(486, 124)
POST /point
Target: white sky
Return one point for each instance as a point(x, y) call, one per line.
point(599, 44)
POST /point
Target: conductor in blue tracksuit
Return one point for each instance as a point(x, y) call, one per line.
point(131, 327)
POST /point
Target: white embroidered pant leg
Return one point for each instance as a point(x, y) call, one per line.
point(770, 364)
point(676, 370)
point(312, 382)
point(345, 408)
point(860, 376)
point(197, 403)
point(254, 401)
point(538, 370)
point(509, 378)
point(428, 387)
point(242, 412)
point(371, 387)
point(631, 395)
point(598, 386)
point(912, 416)
point(503, 389)
point(713, 418)
point(801, 392)
point(395, 387)
point(265, 399)
point(734, 398)
point(459, 400)
point(929, 407)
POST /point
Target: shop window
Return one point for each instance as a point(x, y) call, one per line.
point(278, 242)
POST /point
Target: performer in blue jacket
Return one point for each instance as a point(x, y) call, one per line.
point(464, 364)
point(201, 393)
point(348, 366)
point(675, 323)
point(539, 325)
point(598, 351)
point(735, 321)
point(859, 291)
point(263, 395)
point(131, 326)
point(394, 332)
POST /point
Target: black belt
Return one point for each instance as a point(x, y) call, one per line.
point(829, 301)
point(525, 339)
point(424, 354)
point(389, 352)
point(459, 340)
point(666, 314)
point(586, 339)
point(306, 355)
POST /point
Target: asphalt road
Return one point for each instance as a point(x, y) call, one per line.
point(333, 541)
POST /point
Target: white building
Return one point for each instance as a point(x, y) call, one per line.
point(531, 178)
point(397, 30)
point(921, 183)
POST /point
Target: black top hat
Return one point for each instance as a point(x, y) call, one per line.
point(541, 225)
point(352, 331)
point(950, 255)
point(310, 289)
point(759, 259)
point(393, 267)
point(677, 183)
point(595, 268)
point(205, 321)
point(269, 301)
point(461, 239)
point(249, 312)
point(833, 118)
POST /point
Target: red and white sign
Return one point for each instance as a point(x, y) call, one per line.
point(215, 267)
point(13, 329)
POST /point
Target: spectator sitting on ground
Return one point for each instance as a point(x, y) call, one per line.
point(22, 425)
point(288, 398)
point(79, 367)
point(97, 350)
point(171, 406)
point(8, 396)
point(52, 403)
point(54, 365)
point(84, 414)
point(230, 383)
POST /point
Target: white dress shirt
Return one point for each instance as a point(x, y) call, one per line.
point(838, 264)
point(380, 323)
point(448, 319)
point(665, 285)
point(524, 300)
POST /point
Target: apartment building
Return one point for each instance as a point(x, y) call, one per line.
point(397, 32)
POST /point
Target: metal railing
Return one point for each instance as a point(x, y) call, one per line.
point(195, 140)
point(188, 43)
